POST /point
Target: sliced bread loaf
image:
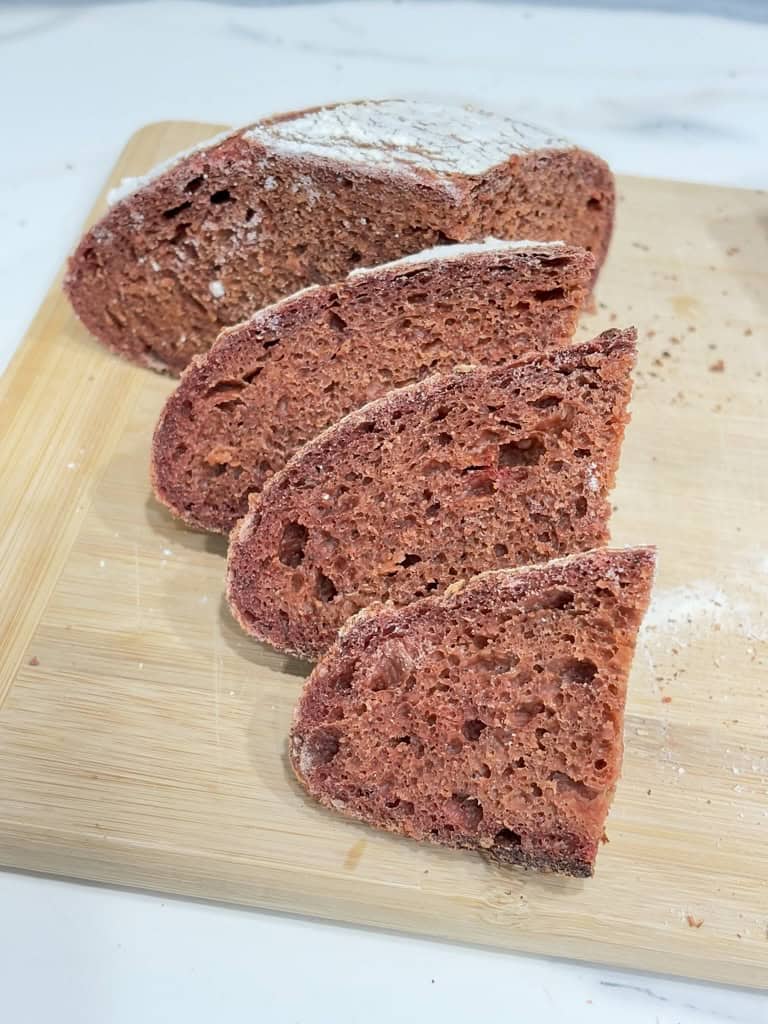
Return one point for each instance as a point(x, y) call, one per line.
point(230, 226)
point(459, 473)
point(269, 385)
point(488, 718)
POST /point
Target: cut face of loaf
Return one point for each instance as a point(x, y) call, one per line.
point(230, 227)
point(276, 381)
point(460, 473)
point(489, 718)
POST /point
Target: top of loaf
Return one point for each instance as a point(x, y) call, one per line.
point(127, 186)
point(458, 250)
point(421, 136)
point(395, 134)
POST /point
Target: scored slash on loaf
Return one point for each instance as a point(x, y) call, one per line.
point(489, 718)
point(274, 382)
point(454, 475)
point(304, 198)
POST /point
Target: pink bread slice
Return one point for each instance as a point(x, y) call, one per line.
point(489, 718)
point(274, 382)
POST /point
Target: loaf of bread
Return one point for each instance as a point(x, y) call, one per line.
point(488, 718)
point(463, 472)
point(269, 385)
point(232, 225)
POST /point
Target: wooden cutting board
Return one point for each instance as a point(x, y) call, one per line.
point(143, 737)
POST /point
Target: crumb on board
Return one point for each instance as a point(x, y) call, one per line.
point(34, 661)
point(718, 366)
point(747, 332)
point(694, 922)
point(666, 700)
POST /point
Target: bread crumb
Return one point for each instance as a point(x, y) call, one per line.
point(34, 661)
point(694, 922)
point(747, 332)
point(718, 366)
point(666, 700)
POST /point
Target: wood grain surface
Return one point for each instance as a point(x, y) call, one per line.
point(143, 737)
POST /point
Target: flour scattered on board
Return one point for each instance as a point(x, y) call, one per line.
point(698, 606)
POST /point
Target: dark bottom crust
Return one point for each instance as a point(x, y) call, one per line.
point(506, 856)
point(541, 862)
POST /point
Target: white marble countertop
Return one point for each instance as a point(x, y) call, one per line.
point(657, 94)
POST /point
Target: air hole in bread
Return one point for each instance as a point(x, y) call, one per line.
point(292, 544)
point(325, 588)
point(228, 407)
point(525, 452)
point(555, 261)
point(547, 401)
point(194, 184)
point(337, 323)
point(224, 387)
point(473, 729)
point(565, 784)
point(176, 210)
point(398, 741)
point(579, 670)
point(555, 599)
point(549, 294)
point(410, 560)
point(387, 674)
point(319, 749)
point(479, 482)
point(506, 837)
point(222, 196)
point(468, 811)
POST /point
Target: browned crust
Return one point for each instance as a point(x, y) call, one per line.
point(613, 343)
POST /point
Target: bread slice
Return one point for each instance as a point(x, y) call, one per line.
point(489, 718)
point(272, 383)
point(463, 472)
point(232, 225)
